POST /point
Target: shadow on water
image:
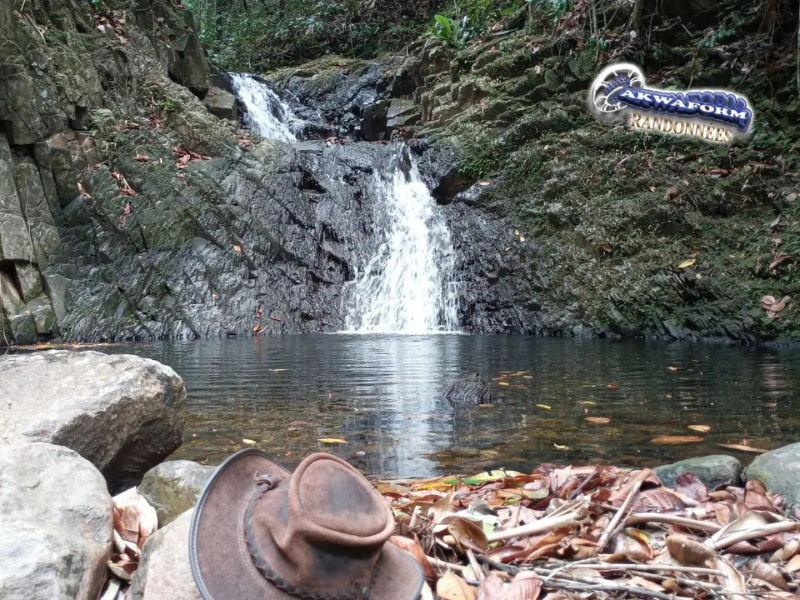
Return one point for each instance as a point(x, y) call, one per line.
point(384, 396)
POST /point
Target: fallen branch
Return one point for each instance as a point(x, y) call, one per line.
point(639, 518)
point(676, 568)
point(612, 526)
point(581, 586)
point(749, 534)
point(572, 519)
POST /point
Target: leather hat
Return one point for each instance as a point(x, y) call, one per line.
point(261, 533)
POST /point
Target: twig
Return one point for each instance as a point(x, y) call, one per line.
point(603, 587)
point(675, 568)
point(583, 484)
point(443, 564)
point(612, 526)
point(572, 519)
point(742, 536)
point(476, 568)
point(639, 518)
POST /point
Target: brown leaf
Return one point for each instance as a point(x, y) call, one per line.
point(700, 428)
point(494, 587)
point(793, 566)
point(690, 486)
point(658, 500)
point(465, 533)
point(507, 554)
point(755, 496)
point(788, 551)
point(688, 551)
point(673, 440)
point(526, 586)
point(671, 193)
point(598, 420)
point(779, 260)
point(414, 548)
point(767, 572)
point(142, 158)
point(452, 587)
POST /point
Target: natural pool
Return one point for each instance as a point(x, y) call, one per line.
point(384, 396)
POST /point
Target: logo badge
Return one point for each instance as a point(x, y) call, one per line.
point(620, 91)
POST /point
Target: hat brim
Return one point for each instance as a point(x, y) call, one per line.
point(220, 560)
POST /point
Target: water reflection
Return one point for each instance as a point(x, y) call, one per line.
point(384, 395)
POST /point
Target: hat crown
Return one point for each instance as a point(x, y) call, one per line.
point(331, 502)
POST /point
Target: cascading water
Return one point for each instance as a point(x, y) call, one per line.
point(267, 114)
point(407, 286)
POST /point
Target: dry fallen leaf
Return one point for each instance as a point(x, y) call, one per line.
point(452, 587)
point(743, 448)
point(494, 587)
point(526, 586)
point(688, 551)
point(598, 420)
point(414, 549)
point(249, 442)
point(687, 263)
point(332, 441)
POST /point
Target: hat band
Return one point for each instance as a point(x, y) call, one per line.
point(265, 484)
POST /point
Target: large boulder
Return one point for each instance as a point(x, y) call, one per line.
point(779, 470)
point(57, 520)
point(221, 104)
point(173, 487)
point(124, 414)
point(711, 470)
point(164, 571)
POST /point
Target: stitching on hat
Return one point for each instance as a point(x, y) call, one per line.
point(265, 483)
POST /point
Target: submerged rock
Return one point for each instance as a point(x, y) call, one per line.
point(173, 487)
point(123, 413)
point(56, 518)
point(779, 470)
point(713, 470)
point(164, 571)
point(468, 391)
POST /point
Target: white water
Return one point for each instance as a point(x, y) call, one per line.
point(267, 114)
point(407, 287)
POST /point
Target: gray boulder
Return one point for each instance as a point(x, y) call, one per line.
point(124, 414)
point(711, 470)
point(221, 104)
point(57, 520)
point(173, 487)
point(779, 470)
point(164, 570)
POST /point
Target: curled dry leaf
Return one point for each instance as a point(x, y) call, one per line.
point(793, 566)
point(688, 551)
point(494, 587)
point(414, 549)
point(465, 533)
point(743, 448)
point(690, 486)
point(452, 587)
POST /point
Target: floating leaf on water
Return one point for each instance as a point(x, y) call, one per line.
point(612, 386)
point(743, 448)
point(249, 442)
point(587, 402)
point(561, 447)
point(598, 420)
point(674, 440)
point(700, 428)
point(332, 441)
point(544, 406)
point(452, 587)
point(673, 369)
point(687, 263)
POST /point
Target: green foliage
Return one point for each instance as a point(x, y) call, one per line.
point(261, 35)
point(467, 20)
point(555, 9)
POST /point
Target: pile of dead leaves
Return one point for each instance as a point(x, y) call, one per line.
point(184, 156)
point(134, 521)
point(595, 532)
point(113, 21)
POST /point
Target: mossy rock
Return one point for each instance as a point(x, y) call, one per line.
point(174, 487)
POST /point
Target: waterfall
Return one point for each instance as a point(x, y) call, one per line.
point(407, 286)
point(267, 114)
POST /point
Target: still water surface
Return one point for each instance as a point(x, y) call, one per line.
point(384, 396)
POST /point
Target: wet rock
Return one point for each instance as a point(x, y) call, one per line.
point(373, 124)
point(221, 104)
point(779, 470)
point(469, 391)
point(123, 413)
point(56, 517)
point(23, 328)
point(164, 571)
point(713, 470)
point(173, 487)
